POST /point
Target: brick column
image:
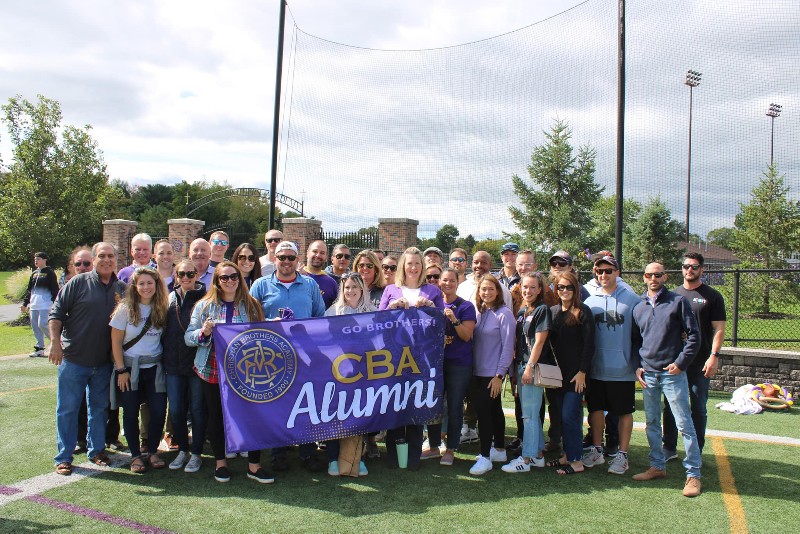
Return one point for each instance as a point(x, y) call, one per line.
point(119, 232)
point(396, 235)
point(181, 234)
point(302, 231)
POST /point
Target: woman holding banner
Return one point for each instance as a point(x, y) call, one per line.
point(368, 266)
point(227, 301)
point(493, 352)
point(409, 290)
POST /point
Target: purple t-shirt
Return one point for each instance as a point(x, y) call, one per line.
point(327, 287)
point(456, 350)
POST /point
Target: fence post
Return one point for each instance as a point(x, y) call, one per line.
point(735, 328)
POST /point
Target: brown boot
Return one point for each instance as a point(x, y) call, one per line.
point(651, 474)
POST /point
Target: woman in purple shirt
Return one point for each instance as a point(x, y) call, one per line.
point(493, 351)
point(409, 290)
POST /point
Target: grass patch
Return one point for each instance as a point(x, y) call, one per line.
point(766, 329)
point(4, 276)
point(15, 340)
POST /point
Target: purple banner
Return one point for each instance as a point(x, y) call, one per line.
point(290, 382)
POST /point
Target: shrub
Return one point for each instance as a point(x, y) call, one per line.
point(17, 283)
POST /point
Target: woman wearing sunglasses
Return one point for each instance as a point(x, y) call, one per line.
point(389, 268)
point(246, 258)
point(184, 387)
point(368, 266)
point(572, 339)
point(227, 301)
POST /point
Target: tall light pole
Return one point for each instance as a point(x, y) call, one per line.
point(692, 80)
point(773, 111)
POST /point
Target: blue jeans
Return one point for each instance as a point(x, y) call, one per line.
point(676, 389)
point(530, 397)
point(39, 326)
point(131, 400)
point(456, 385)
point(572, 424)
point(698, 398)
point(186, 393)
point(74, 382)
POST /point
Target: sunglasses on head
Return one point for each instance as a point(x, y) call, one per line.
point(559, 263)
point(695, 267)
point(286, 258)
point(246, 257)
point(392, 268)
point(347, 276)
point(85, 263)
point(222, 242)
point(607, 270)
point(233, 277)
point(432, 276)
point(365, 266)
point(340, 255)
point(651, 275)
point(565, 288)
point(274, 240)
point(186, 274)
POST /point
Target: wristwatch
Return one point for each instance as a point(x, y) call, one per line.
point(456, 322)
point(499, 376)
point(715, 354)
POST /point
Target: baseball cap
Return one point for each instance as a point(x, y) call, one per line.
point(283, 246)
point(509, 246)
point(609, 260)
point(561, 255)
point(434, 250)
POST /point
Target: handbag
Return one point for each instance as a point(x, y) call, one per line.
point(546, 375)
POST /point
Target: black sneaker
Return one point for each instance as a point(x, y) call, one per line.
point(312, 464)
point(280, 464)
point(221, 474)
point(516, 444)
point(261, 476)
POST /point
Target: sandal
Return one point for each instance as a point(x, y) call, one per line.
point(156, 462)
point(101, 459)
point(64, 468)
point(137, 465)
point(567, 470)
point(556, 463)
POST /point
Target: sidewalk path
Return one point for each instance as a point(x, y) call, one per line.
point(9, 312)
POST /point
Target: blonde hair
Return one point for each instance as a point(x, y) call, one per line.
point(400, 275)
point(377, 283)
point(214, 294)
point(364, 302)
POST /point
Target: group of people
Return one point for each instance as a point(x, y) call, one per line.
point(159, 351)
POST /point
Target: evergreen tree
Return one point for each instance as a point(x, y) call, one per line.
point(653, 237)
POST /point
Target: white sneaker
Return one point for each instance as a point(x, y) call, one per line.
point(179, 460)
point(230, 455)
point(517, 465)
point(498, 456)
point(537, 462)
point(619, 465)
point(194, 464)
point(593, 456)
point(470, 435)
point(482, 465)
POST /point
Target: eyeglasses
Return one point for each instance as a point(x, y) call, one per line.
point(85, 263)
point(651, 275)
point(688, 266)
point(274, 240)
point(608, 270)
point(186, 274)
point(246, 257)
point(233, 277)
point(223, 242)
point(432, 276)
point(286, 258)
point(366, 266)
point(458, 260)
point(565, 288)
point(559, 263)
point(339, 256)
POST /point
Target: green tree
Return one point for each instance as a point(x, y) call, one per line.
point(56, 192)
point(446, 238)
point(602, 234)
point(555, 209)
point(467, 243)
point(767, 229)
point(721, 237)
point(492, 246)
point(653, 237)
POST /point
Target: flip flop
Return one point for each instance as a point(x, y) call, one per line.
point(555, 463)
point(567, 470)
point(156, 462)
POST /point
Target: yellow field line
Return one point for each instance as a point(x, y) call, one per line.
point(2, 393)
point(733, 503)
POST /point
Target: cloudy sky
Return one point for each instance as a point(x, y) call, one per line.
point(184, 90)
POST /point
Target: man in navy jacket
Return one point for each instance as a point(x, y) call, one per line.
point(666, 331)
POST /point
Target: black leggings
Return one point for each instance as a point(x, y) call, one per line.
point(491, 420)
point(215, 431)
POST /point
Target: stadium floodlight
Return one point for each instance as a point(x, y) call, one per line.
point(692, 80)
point(773, 112)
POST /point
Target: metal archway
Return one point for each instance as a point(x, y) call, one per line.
point(263, 194)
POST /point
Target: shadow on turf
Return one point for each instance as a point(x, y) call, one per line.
point(24, 525)
point(396, 490)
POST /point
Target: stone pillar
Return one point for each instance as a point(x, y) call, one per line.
point(181, 234)
point(396, 235)
point(119, 232)
point(302, 231)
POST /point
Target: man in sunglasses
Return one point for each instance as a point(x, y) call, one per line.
point(142, 253)
point(666, 332)
point(271, 240)
point(288, 294)
point(340, 262)
point(561, 262)
point(219, 246)
point(458, 262)
point(316, 258)
point(611, 386)
point(709, 310)
point(593, 286)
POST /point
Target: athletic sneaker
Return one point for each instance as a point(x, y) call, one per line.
point(593, 456)
point(428, 454)
point(261, 476)
point(193, 466)
point(498, 456)
point(669, 454)
point(230, 455)
point(221, 474)
point(333, 468)
point(179, 460)
point(470, 435)
point(517, 465)
point(619, 465)
point(37, 353)
point(362, 469)
point(482, 465)
point(537, 462)
point(447, 458)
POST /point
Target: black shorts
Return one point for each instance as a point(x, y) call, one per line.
point(616, 398)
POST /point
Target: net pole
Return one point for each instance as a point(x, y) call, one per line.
point(620, 129)
point(276, 118)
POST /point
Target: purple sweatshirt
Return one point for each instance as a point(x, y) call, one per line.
point(429, 291)
point(493, 342)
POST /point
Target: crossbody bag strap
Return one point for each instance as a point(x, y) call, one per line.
point(139, 336)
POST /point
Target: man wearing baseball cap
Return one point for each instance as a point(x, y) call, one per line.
point(561, 262)
point(433, 256)
point(508, 275)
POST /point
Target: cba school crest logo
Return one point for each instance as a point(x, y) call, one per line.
point(260, 365)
